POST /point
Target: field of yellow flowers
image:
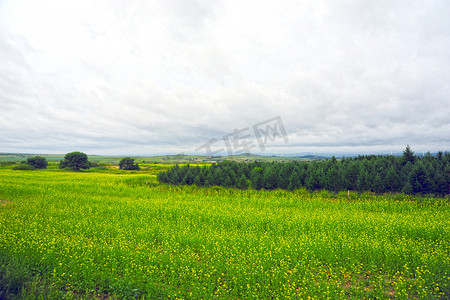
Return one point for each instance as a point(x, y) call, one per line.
point(104, 235)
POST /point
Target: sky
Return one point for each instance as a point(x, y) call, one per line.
point(128, 77)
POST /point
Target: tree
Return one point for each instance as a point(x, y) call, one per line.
point(219, 176)
point(378, 185)
point(209, 181)
point(332, 178)
point(75, 160)
point(242, 183)
point(363, 181)
point(38, 162)
point(408, 156)
point(294, 181)
point(162, 177)
point(256, 178)
point(314, 179)
point(270, 178)
point(127, 163)
point(393, 182)
point(351, 171)
point(418, 178)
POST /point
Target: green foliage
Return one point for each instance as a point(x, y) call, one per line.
point(75, 161)
point(379, 174)
point(127, 163)
point(24, 167)
point(38, 162)
point(243, 182)
point(408, 155)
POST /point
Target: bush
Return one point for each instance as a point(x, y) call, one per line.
point(93, 164)
point(24, 167)
point(127, 163)
point(38, 162)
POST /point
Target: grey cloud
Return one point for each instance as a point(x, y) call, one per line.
point(141, 78)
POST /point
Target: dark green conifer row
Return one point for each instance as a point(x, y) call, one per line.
point(380, 174)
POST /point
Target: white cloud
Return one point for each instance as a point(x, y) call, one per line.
point(140, 77)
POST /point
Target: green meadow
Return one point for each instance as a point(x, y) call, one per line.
point(113, 234)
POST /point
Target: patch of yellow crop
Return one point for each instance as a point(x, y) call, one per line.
point(125, 235)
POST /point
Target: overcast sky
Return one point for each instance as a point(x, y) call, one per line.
point(146, 77)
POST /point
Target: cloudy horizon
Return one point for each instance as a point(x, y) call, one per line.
point(153, 77)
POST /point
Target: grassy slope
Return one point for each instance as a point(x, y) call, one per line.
point(102, 234)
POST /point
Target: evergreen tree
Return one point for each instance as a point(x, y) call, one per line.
point(332, 178)
point(270, 178)
point(408, 156)
point(407, 188)
point(219, 176)
point(256, 178)
point(314, 179)
point(441, 183)
point(294, 181)
point(378, 184)
point(232, 175)
point(363, 182)
point(209, 181)
point(393, 183)
point(283, 177)
point(351, 175)
point(418, 178)
point(188, 177)
point(447, 177)
point(162, 177)
point(242, 182)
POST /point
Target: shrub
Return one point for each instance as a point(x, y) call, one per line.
point(24, 167)
point(38, 162)
point(127, 163)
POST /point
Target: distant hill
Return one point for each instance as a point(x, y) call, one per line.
point(313, 157)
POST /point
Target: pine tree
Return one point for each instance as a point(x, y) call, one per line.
point(283, 178)
point(407, 188)
point(294, 181)
point(227, 182)
point(332, 178)
point(378, 184)
point(418, 178)
point(162, 177)
point(219, 176)
point(270, 178)
point(408, 156)
point(314, 179)
point(351, 175)
point(242, 182)
point(256, 178)
point(188, 177)
point(392, 180)
point(209, 181)
point(363, 181)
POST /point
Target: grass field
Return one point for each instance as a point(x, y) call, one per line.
point(16, 158)
point(116, 234)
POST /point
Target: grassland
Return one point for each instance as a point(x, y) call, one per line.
point(15, 158)
point(115, 234)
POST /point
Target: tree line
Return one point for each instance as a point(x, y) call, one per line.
point(73, 161)
point(409, 174)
